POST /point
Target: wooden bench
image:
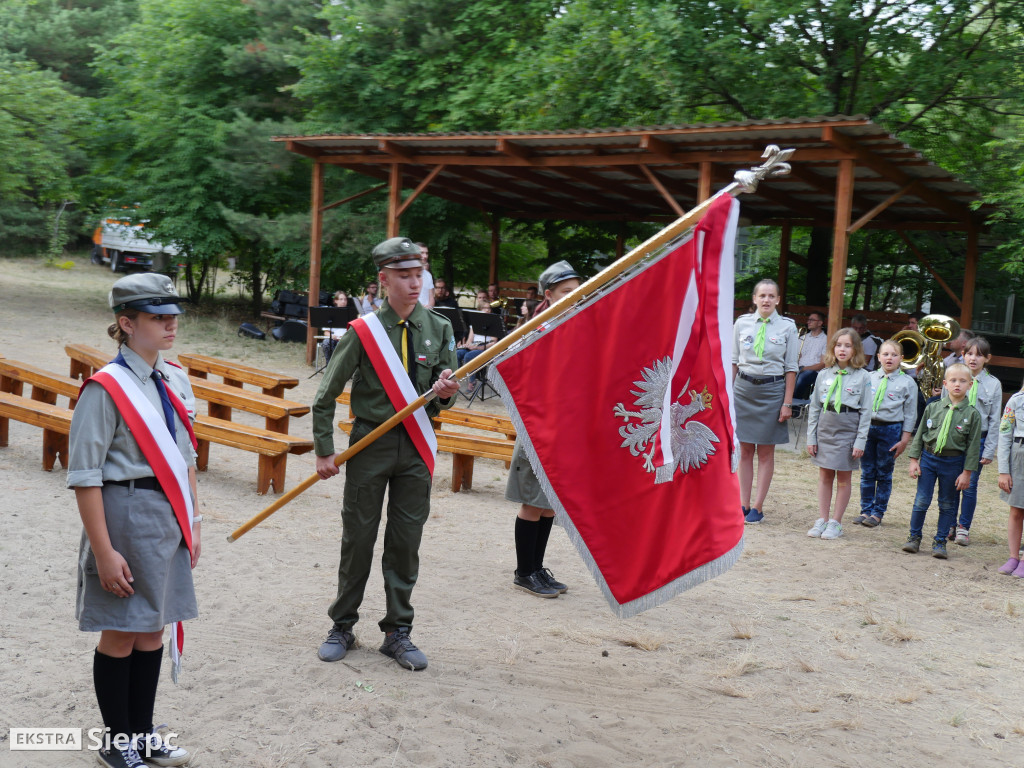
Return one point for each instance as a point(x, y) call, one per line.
point(273, 448)
point(46, 387)
point(54, 420)
point(86, 360)
point(463, 447)
point(237, 374)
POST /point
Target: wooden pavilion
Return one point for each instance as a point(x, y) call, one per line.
point(848, 173)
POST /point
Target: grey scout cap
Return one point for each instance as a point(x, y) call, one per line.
point(397, 253)
point(146, 292)
point(556, 273)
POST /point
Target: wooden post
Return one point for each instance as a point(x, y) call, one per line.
point(784, 247)
point(704, 184)
point(970, 276)
point(620, 244)
point(840, 244)
point(495, 246)
point(394, 200)
point(315, 238)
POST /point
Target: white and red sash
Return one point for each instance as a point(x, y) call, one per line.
point(149, 429)
point(388, 365)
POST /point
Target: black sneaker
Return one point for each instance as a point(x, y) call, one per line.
point(399, 646)
point(534, 585)
point(547, 578)
point(939, 550)
point(119, 758)
point(155, 751)
point(336, 645)
point(913, 545)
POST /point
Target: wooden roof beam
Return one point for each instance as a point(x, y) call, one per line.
point(618, 188)
point(528, 192)
point(673, 203)
point(888, 171)
point(870, 215)
point(560, 185)
point(419, 188)
point(396, 150)
point(928, 265)
point(658, 147)
point(302, 149)
point(512, 149)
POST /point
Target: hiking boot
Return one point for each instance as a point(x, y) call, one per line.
point(547, 578)
point(336, 645)
point(119, 758)
point(399, 646)
point(833, 530)
point(939, 550)
point(155, 751)
point(913, 545)
point(534, 585)
point(963, 536)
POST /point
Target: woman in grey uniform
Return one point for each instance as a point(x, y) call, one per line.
point(765, 352)
point(135, 568)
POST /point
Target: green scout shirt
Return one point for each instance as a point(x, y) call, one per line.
point(964, 432)
point(434, 346)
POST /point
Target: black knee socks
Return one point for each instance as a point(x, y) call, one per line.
point(526, 545)
point(543, 531)
point(144, 679)
point(111, 677)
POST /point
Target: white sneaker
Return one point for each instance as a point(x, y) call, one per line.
point(833, 530)
point(963, 536)
point(819, 527)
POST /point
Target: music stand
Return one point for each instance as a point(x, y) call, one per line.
point(331, 318)
point(454, 315)
point(483, 324)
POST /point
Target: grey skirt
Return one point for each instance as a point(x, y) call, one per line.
point(523, 487)
point(757, 412)
point(837, 433)
point(1015, 498)
point(143, 529)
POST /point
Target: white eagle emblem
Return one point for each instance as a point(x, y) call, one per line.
point(691, 444)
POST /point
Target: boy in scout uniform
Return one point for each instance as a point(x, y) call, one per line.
point(426, 345)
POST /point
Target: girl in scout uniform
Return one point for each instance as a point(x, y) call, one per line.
point(1011, 479)
point(986, 395)
point(837, 427)
point(893, 416)
point(765, 352)
point(135, 561)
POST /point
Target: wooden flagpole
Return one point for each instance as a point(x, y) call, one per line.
point(746, 181)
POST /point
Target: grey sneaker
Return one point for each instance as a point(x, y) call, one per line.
point(336, 645)
point(534, 585)
point(400, 647)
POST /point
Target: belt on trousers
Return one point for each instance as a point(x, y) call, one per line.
point(145, 483)
point(945, 453)
point(761, 379)
point(880, 423)
point(1018, 439)
point(842, 409)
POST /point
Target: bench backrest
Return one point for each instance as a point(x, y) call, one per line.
point(245, 400)
point(38, 378)
point(85, 360)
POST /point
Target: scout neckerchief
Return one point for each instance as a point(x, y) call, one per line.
point(399, 389)
point(762, 329)
point(153, 434)
point(836, 390)
point(940, 442)
point(972, 393)
point(882, 386)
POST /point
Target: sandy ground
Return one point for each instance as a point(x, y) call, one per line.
point(807, 653)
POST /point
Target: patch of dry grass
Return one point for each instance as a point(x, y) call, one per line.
point(896, 631)
point(728, 690)
point(742, 629)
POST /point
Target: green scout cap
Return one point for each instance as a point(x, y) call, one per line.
point(556, 273)
point(146, 292)
point(397, 253)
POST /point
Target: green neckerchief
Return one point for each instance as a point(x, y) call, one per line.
point(835, 389)
point(972, 393)
point(940, 443)
point(882, 387)
point(762, 329)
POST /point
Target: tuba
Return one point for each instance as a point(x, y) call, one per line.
point(924, 348)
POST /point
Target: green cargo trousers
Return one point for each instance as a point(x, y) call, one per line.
point(390, 463)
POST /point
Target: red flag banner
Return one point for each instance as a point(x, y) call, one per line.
point(624, 406)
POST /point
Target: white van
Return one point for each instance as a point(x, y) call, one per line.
point(120, 244)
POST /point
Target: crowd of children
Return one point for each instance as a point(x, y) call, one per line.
point(856, 417)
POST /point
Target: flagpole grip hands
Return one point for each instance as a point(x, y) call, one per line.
point(445, 386)
point(774, 165)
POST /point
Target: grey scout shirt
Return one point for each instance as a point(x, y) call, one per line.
point(781, 345)
point(900, 401)
point(964, 432)
point(856, 393)
point(1011, 426)
point(988, 403)
point(101, 446)
point(434, 347)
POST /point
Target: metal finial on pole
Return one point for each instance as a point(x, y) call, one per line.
point(775, 165)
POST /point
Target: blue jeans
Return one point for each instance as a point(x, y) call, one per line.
point(465, 355)
point(804, 384)
point(876, 469)
point(969, 500)
point(944, 471)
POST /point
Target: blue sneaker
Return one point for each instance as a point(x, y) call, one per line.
point(753, 516)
